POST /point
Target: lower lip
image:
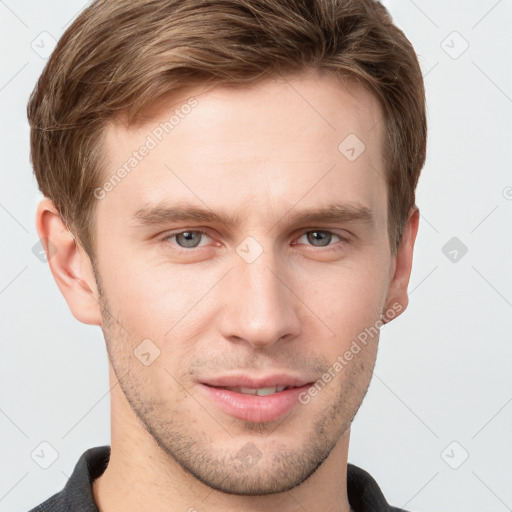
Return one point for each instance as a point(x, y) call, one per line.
point(254, 408)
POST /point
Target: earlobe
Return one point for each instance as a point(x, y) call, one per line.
point(397, 298)
point(69, 264)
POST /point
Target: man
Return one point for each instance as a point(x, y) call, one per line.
point(229, 193)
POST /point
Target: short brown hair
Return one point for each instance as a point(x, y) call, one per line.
point(122, 56)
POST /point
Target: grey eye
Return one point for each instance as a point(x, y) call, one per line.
point(319, 238)
point(188, 239)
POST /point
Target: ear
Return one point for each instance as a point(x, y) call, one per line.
point(397, 298)
point(69, 263)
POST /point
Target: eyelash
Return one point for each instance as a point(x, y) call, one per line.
point(168, 237)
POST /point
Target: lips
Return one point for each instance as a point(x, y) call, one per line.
point(255, 399)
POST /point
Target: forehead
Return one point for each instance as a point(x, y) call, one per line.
point(307, 138)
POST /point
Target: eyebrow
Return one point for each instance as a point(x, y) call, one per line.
point(334, 213)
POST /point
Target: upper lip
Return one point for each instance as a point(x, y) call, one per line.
point(249, 381)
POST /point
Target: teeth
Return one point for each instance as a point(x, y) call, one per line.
point(259, 391)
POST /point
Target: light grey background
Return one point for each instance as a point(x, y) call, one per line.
point(443, 373)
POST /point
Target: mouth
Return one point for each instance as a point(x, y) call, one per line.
point(255, 400)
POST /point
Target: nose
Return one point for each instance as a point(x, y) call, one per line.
point(260, 306)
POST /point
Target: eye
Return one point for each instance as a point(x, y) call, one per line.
point(186, 239)
point(319, 238)
point(191, 239)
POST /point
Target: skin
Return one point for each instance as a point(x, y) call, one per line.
point(263, 153)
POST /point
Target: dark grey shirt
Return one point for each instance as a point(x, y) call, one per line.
point(364, 494)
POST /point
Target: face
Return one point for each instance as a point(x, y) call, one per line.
point(246, 248)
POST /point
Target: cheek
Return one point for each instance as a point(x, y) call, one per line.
point(348, 298)
point(152, 299)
